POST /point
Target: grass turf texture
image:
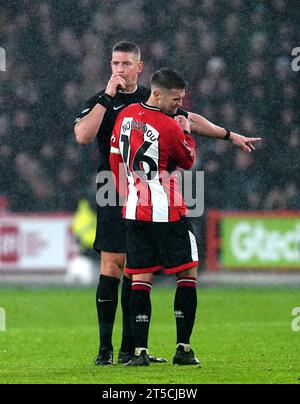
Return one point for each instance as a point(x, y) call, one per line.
point(240, 336)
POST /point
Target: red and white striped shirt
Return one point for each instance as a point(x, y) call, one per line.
point(151, 146)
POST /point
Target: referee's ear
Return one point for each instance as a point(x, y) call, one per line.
point(140, 67)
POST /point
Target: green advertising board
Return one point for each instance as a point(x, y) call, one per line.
point(260, 242)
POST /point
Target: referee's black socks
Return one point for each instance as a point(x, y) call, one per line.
point(185, 306)
point(127, 344)
point(107, 302)
point(140, 312)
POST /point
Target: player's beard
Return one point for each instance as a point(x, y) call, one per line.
point(172, 112)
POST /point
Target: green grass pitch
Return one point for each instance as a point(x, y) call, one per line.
point(240, 336)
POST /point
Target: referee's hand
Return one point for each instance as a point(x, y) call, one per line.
point(114, 82)
point(183, 122)
point(245, 143)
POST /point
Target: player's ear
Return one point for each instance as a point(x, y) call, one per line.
point(156, 93)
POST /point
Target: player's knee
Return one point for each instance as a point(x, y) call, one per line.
point(192, 272)
point(143, 277)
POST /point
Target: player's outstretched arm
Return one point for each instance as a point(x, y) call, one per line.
point(203, 127)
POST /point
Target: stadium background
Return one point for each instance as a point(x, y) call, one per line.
point(236, 56)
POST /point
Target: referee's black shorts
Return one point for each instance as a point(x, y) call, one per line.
point(111, 230)
point(168, 247)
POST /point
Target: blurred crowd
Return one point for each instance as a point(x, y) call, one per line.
point(235, 54)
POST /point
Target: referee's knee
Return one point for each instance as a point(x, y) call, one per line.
point(112, 264)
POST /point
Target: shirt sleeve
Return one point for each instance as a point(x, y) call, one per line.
point(89, 105)
point(116, 161)
point(182, 148)
point(182, 112)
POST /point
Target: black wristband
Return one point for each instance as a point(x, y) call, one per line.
point(227, 136)
point(105, 100)
point(186, 132)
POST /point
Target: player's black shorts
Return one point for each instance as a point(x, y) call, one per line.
point(111, 230)
point(167, 247)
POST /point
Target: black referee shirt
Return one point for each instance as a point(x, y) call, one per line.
point(120, 101)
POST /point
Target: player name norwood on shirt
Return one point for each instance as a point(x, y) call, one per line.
point(150, 144)
point(120, 101)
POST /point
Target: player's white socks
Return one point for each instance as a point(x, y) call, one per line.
point(186, 347)
point(138, 351)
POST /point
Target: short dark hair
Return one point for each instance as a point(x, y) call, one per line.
point(168, 79)
point(127, 47)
